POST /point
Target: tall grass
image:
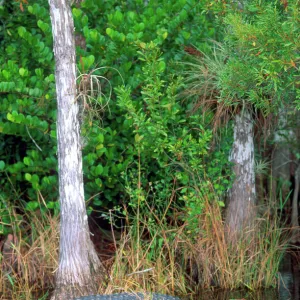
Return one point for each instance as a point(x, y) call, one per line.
point(252, 261)
point(169, 260)
point(148, 258)
point(154, 254)
point(29, 258)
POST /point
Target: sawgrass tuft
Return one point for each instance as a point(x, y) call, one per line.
point(251, 262)
point(169, 259)
point(147, 259)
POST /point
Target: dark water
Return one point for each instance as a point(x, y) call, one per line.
point(288, 287)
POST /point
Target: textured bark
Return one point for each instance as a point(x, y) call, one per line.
point(281, 174)
point(241, 201)
point(283, 168)
point(281, 160)
point(295, 211)
point(78, 261)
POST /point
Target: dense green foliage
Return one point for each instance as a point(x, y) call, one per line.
point(114, 46)
point(255, 66)
point(138, 135)
point(263, 67)
point(256, 63)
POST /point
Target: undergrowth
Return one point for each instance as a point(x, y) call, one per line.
point(153, 254)
point(29, 257)
point(169, 259)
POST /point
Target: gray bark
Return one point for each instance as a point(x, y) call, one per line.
point(78, 261)
point(282, 169)
point(295, 211)
point(281, 160)
point(242, 196)
point(281, 173)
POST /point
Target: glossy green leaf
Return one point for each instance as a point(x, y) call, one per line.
point(161, 66)
point(77, 12)
point(98, 170)
point(88, 61)
point(28, 176)
point(6, 74)
point(21, 31)
point(23, 72)
point(2, 165)
point(27, 161)
point(97, 202)
point(32, 205)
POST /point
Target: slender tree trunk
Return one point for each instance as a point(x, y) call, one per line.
point(281, 162)
point(241, 202)
point(281, 175)
point(78, 261)
point(283, 168)
point(295, 205)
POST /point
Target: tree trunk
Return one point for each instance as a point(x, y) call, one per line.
point(283, 168)
point(78, 261)
point(281, 162)
point(295, 204)
point(241, 203)
point(281, 176)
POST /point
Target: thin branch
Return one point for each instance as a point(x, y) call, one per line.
point(33, 140)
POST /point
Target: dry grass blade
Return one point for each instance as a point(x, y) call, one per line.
point(29, 259)
point(155, 268)
point(252, 262)
point(154, 257)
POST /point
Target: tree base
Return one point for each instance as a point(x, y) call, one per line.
point(70, 292)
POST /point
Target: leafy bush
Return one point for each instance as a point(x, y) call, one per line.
point(110, 34)
point(172, 147)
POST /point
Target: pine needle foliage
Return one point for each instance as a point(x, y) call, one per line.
point(255, 65)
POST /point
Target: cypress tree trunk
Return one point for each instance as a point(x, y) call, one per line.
point(241, 201)
point(295, 205)
point(281, 161)
point(78, 261)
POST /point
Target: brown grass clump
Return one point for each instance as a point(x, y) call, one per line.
point(250, 262)
point(171, 261)
point(152, 256)
point(28, 259)
point(149, 264)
